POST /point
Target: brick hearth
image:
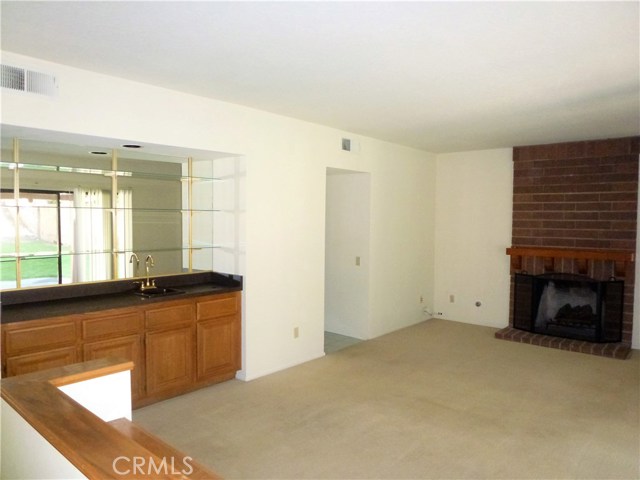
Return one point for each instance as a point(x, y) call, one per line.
point(612, 350)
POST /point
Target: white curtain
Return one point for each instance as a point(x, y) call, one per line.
point(93, 234)
point(124, 224)
point(92, 238)
point(93, 244)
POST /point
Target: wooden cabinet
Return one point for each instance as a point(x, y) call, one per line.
point(175, 345)
point(128, 348)
point(169, 360)
point(218, 337)
point(169, 348)
point(33, 362)
point(112, 324)
point(116, 334)
point(39, 345)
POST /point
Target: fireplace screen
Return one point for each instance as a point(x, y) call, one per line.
point(571, 306)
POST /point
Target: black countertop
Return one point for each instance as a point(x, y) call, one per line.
point(44, 302)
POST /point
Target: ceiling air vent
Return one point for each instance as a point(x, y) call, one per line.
point(21, 79)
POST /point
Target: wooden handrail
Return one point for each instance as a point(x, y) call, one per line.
point(89, 443)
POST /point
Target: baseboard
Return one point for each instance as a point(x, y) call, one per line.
point(242, 374)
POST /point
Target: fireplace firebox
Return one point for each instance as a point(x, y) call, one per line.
point(569, 306)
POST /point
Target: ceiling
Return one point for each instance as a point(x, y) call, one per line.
point(439, 76)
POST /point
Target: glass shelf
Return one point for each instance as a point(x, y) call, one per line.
point(24, 208)
point(168, 206)
point(122, 174)
point(53, 253)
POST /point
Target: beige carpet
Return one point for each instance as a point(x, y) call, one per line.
point(437, 400)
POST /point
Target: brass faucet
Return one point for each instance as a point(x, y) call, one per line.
point(131, 259)
point(148, 264)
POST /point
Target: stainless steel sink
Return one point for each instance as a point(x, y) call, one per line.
point(157, 292)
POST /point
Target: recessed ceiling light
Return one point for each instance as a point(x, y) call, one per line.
point(96, 152)
point(131, 145)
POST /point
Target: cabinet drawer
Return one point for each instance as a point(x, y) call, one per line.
point(217, 307)
point(113, 325)
point(41, 361)
point(45, 337)
point(169, 317)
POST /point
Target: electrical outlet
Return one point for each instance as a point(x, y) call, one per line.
point(421, 299)
point(296, 332)
point(452, 298)
point(357, 261)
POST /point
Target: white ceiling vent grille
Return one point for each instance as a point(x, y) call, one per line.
point(21, 79)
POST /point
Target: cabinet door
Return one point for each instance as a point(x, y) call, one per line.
point(217, 347)
point(128, 348)
point(169, 356)
point(34, 362)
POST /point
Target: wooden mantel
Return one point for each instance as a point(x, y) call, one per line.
point(582, 257)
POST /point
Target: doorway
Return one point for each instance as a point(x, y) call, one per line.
point(347, 231)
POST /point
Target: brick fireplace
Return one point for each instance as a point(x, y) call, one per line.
point(575, 212)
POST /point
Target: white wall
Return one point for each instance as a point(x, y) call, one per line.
point(26, 454)
point(347, 231)
point(473, 229)
point(286, 161)
point(108, 396)
point(402, 235)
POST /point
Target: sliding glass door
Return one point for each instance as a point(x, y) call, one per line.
point(44, 227)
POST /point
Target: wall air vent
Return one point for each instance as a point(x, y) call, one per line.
point(21, 79)
point(350, 145)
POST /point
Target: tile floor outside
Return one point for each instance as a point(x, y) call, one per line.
point(334, 342)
